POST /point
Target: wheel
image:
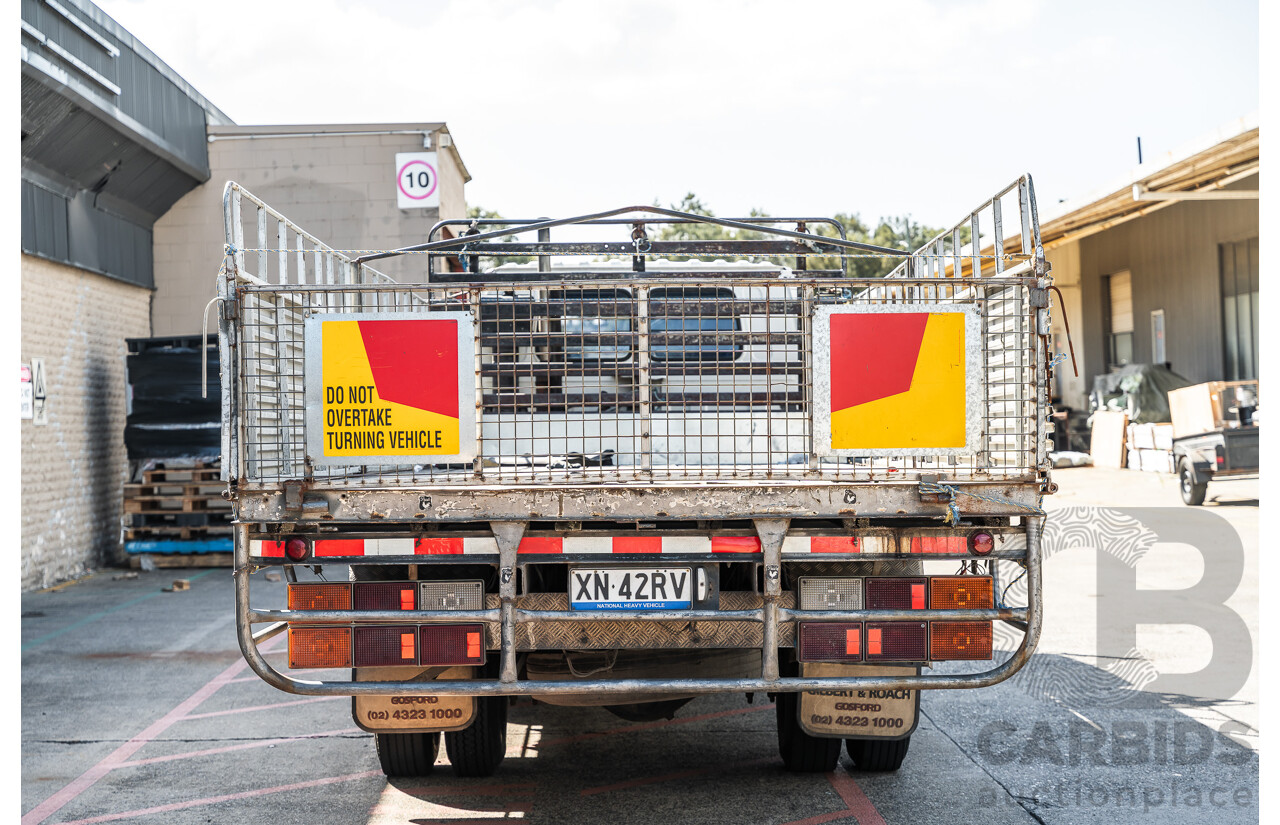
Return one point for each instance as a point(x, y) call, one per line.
point(877, 754)
point(407, 754)
point(802, 753)
point(1192, 493)
point(478, 750)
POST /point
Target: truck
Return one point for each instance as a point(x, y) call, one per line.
point(656, 457)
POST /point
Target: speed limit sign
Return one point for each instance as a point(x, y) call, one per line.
point(417, 181)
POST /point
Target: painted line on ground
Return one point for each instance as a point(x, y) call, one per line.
point(564, 740)
point(121, 754)
point(263, 743)
point(231, 797)
point(851, 792)
point(233, 711)
point(93, 617)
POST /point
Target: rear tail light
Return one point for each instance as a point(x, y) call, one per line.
point(960, 593)
point(319, 647)
point(830, 593)
point(959, 640)
point(319, 597)
point(830, 642)
point(897, 642)
point(981, 543)
point(895, 594)
point(296, 549)
point(461, 595)
point(384, 595)
point(379, 646)
point(451, 644)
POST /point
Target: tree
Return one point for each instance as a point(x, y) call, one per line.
point(487, 262)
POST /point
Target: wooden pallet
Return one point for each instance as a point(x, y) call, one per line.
point(176, 532)
point(177, 502)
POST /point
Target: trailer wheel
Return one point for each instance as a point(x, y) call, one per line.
point(877, 754)
point(802, 753)
point(1192, 493)
point(477, 750)
point(407, 754)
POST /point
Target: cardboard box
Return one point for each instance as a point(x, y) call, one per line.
point(1202, 408)
point(1162, 435)
point(1142, 436)
point(1107, 439)
point(1152, 461)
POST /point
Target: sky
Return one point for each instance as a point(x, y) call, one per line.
point(562, 107)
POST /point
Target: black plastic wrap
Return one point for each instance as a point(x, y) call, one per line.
point(168, 418)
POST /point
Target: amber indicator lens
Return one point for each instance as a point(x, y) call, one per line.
point(960, 593)
point(319, 647)
point(451, 644)
point(895, 594)
point(959, 640)
point(830, 642)
point(319, 597)
point(897, 642)
point(380, 646)
point(385, 595)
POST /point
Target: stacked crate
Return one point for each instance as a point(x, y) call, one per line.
point(174, 512)
point(1150, 447)
point(177, 512)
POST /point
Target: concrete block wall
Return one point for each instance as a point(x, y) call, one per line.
point(74, 467)
point(340, 188)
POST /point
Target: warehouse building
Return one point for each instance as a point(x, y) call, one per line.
point(123, 166)
point(1162, 265)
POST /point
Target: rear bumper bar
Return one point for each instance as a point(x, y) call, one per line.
point(771, 614)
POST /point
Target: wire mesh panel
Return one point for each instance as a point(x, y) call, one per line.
point(645, 379)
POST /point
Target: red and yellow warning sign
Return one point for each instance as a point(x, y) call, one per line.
point(895, 382)
point(390, 386)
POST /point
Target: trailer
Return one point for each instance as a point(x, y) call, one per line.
point(637, 470)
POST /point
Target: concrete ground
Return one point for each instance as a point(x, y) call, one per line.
point(136, 707)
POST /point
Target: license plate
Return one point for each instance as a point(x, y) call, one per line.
point(633, 588)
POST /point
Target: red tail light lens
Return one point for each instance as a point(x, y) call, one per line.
point(451, 644)
point(895, 594)
point(379, 646)
point(981, 543)
point(385, 595)
point(830, 642)
point(959, 640)
point(296, 549)
point(897, 642)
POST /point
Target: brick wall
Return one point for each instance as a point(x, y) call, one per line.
point(74, 468)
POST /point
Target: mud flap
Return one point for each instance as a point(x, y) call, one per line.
point(412, 714)
point(858, 714)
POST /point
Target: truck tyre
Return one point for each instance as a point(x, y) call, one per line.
point(1192, 493)
point(877, 754)
point(407, 754)
point(478, 750)
point(802, 753)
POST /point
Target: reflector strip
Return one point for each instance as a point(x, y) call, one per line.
point(473, 645)
point(851, 642)
point(939, 544)
point(873, 641)
point(406, 600)
point(735, 544)
point(406, 647)
point(583, 545)
point(438, 547)
point(917, 597)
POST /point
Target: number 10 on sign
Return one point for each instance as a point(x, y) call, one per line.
point(417, 180)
